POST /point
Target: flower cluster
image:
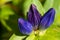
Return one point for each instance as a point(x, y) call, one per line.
point(35, 20)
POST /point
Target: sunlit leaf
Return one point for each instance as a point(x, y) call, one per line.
point(27, 4)
point(52, 33)
point(6, 12)
point(56, 5)
point(31, 36)
point(48, 4)
point(16, 37)
point(2, 2)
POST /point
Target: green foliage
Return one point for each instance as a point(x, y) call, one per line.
point(48, 4)
point(9, 19)
point(52, 33)
point(15, 37)
point(31, 36)
point(27, 4)
point(56, 5)
point(4, 15)
point(5, 12)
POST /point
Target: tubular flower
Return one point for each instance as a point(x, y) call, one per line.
point(35, 20)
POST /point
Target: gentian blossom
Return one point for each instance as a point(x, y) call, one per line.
point(35, 20)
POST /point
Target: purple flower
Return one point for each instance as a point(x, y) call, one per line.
point(35, 20)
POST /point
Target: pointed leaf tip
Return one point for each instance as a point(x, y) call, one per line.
point(24, 26)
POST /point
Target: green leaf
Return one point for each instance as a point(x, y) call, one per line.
point(6, 11)
point(2, 2)
point(26, 6)
point(9, 19)
point(12, 22)
point(31, 36)
point(16, 37)
point(52, 33)
point(27, 3)
point(48, 4)
point(5, 25)
point(56, 5)
point(16, 2)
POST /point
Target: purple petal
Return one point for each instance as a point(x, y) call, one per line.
point(34, 16)
point(24, 26)
point(48, 18)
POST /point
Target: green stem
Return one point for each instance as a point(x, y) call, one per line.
point(5, 25)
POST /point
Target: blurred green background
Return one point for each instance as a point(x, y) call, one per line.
point(11, 10)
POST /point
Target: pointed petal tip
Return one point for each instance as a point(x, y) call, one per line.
point(33, 15)
point(48, 18)
point(52, 9)
point(24, 26)
point(33, 6)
